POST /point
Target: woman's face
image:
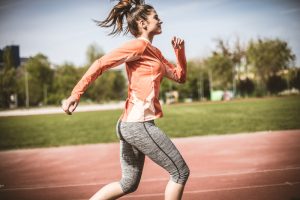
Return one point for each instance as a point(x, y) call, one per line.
point(153, 23)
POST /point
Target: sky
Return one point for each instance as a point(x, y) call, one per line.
point(63, 29)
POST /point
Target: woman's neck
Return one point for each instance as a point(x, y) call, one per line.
point(146, 37)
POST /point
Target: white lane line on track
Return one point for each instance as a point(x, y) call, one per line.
point(217, 190)
point(232, 173)
point(151, 180)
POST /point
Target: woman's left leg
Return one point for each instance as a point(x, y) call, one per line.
point(109, 192)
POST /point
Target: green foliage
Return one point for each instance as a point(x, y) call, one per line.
point(246, 87)
point(197, 81)
point(51, 86)
point(295, 81)
point(265, 59)
point(65, 77)
point(109, 86)
point(166, 86)
point(40, 76)
point(276, 84)
point(195, 86)
point(269, 56)
point(221, 67)
point(118, 86)
point(8, 85)
point(93, 52)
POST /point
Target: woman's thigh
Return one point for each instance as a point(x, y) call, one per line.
point(154, 143)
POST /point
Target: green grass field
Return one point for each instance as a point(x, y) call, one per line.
point(181, 120)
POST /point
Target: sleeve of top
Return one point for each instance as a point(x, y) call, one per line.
point(129, 51)
point(177, 73)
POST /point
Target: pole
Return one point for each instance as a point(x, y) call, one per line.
point(210, 83)
point(233, 80)
point(202, 86)
point(199, 88)
point(45, 94)
point(26, 88)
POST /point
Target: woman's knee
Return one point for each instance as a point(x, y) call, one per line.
point(185, 173)
point(129, 184)
point(181, 175)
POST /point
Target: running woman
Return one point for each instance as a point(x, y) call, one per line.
point(136, 129)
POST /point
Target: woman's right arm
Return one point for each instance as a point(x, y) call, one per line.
point(130, 51)
point(177, 73)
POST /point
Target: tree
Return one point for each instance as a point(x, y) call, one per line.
point(295, 82)
point(111, 86)
point(40, 77)
point(221, 68)
point(166, 86)
point(119, 86)
point(196, 84)
point(93, 52)
point(65, 78)
point(276, 84)
point(8, 85)
point(268, 57)
point(237, 56)
point(197, 80)
point(103, 88)
point(246, 87)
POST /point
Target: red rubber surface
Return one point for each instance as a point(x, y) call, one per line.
point(264, 165)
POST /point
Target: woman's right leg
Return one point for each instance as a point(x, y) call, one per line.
point(132, 163)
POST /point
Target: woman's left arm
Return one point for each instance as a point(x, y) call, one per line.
point(177, 73)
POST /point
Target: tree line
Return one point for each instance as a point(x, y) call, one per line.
point(261, 67)
point(37, 82)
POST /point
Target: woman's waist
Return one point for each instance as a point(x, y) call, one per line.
point(146, 95)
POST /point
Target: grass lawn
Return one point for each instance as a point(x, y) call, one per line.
point(181, 120)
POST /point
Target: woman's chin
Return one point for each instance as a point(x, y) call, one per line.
point(157, 32)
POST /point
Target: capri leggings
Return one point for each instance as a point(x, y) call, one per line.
point(138, 139)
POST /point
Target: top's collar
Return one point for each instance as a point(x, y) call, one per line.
point(143, 38)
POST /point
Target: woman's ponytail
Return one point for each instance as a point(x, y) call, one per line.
point(131, 10)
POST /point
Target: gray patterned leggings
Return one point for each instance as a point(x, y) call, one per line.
point(138, 139)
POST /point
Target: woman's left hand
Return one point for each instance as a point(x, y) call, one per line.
point(177, 43)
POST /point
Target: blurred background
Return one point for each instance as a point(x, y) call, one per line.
point(236, 50)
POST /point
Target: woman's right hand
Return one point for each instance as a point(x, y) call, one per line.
point(70, 105)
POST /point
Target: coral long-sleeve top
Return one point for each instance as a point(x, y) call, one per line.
point(146, 67)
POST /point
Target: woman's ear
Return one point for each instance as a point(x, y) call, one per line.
point(142, 24)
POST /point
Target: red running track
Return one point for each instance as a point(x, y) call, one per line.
point(256, 166)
